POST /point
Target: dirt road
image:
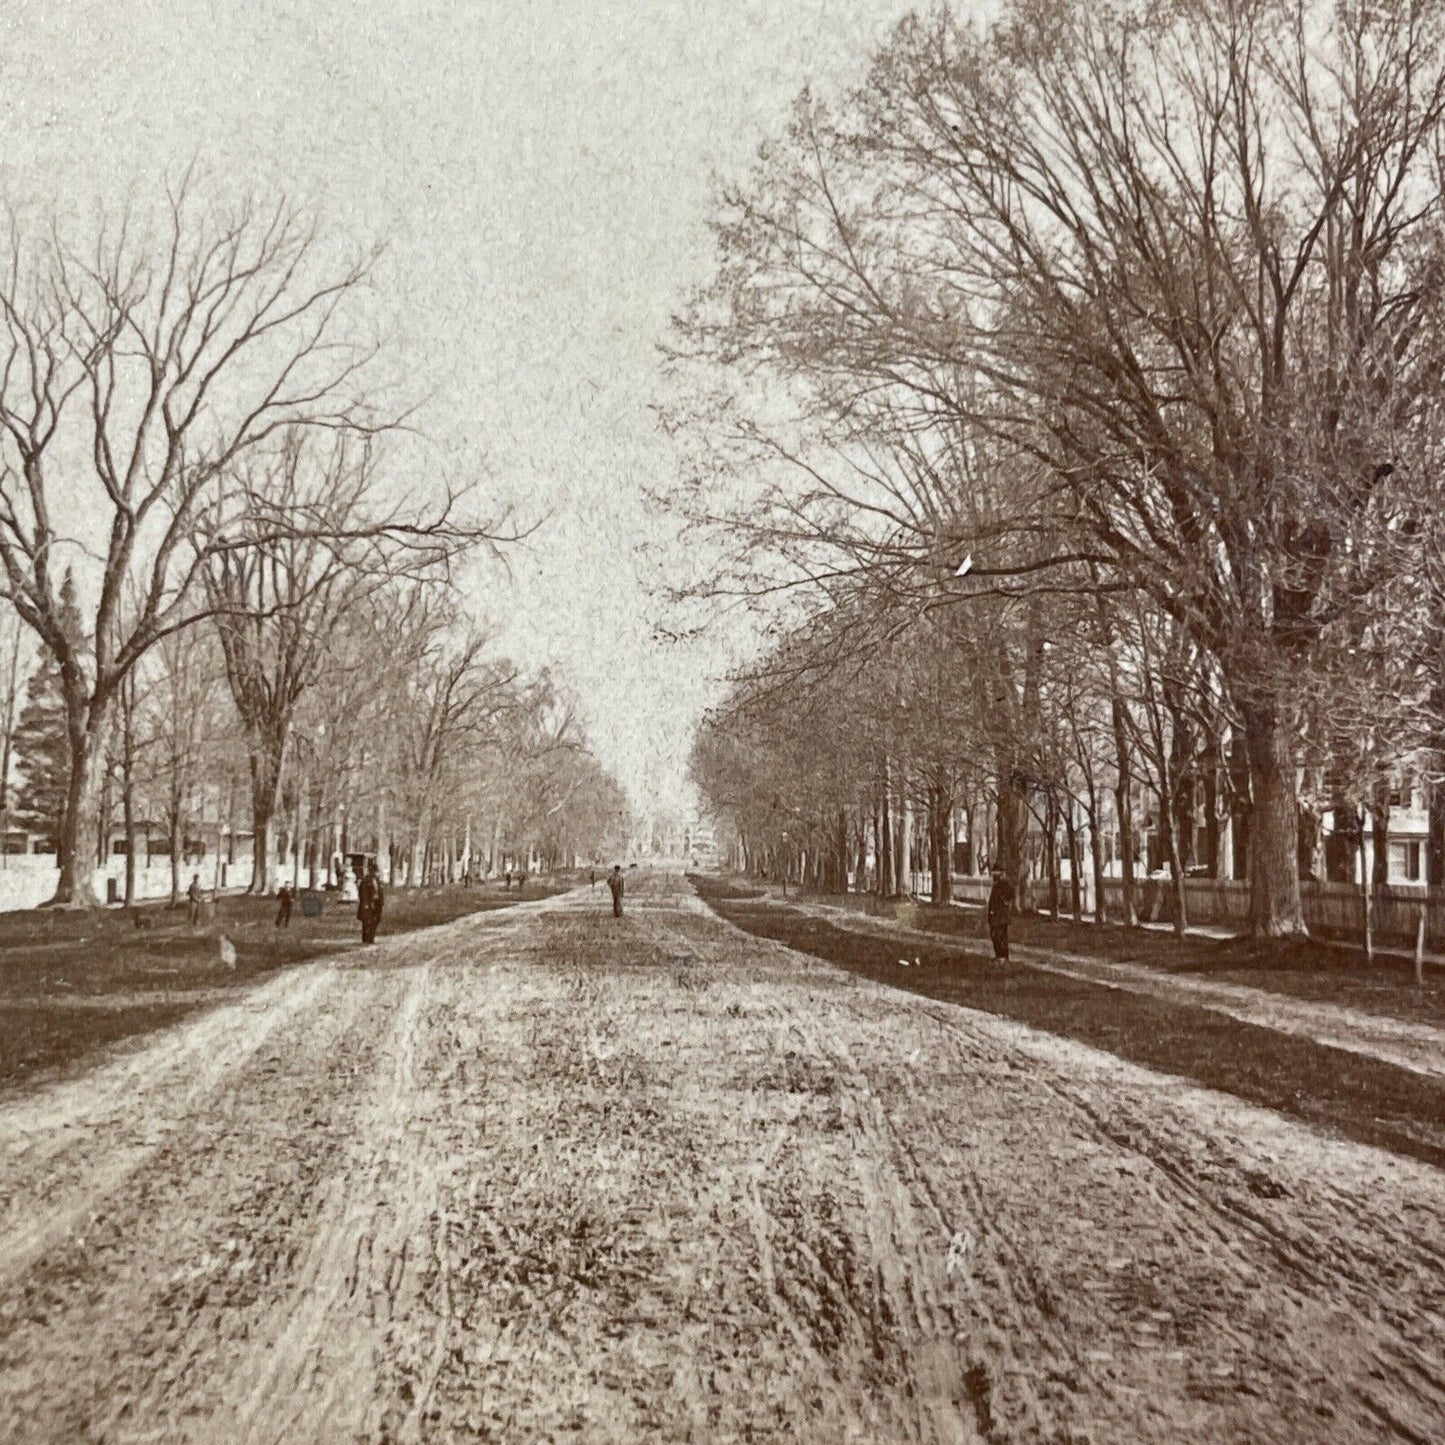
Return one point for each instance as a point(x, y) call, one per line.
point(1406, 1044)
point(544, 1175)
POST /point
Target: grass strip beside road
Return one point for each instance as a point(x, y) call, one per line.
point(1362, 1098)
point(74, 981)
point(1301, 968)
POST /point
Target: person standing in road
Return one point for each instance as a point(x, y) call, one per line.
point(284, 899)
point(194, 896)
point(369, 902)
point(616, 883)
point(1000, 907)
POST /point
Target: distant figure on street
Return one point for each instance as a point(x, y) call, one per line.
point(521, 880)
point(592, 878)
point(194, 895)
point(507, 879)
point(369, 902)
point(1000, 907)
point(616, 883)
point(284, 899)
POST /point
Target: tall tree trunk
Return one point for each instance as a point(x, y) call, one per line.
point(1012, 826)
point(173, 822)
point(1311, 831)
point(128, 814)
point(1366, 890)
point(840, 856)
point(76, 886)
point(102, 822)
point(1170, 840)
point(1435, 847)
point(127, 783)
point(941, 834)
point(1071, 832)
point(298, 824)
point(1380, 837)
point(884, 849)
point(1211, 819)
point(1274, 823)
point(1124, 807)
point(1096, 857)
point(265, 764)
point(1051, 853)
point(903, 855)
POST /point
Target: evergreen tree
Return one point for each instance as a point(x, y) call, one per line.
point(42, 746)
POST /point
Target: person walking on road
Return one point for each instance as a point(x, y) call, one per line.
point(616, 884)
point(1000, 907)
point(284, 898)
point(369, 902)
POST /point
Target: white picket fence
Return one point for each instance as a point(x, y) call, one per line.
point(28, 880)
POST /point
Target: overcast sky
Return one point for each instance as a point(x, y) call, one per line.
point(540, 171)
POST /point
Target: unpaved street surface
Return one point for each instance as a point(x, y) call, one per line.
point(1407, 1044)
point(545, 1175)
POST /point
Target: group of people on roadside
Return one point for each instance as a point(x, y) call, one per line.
point(370, 902)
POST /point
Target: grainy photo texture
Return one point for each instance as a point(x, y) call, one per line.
point(722, 722)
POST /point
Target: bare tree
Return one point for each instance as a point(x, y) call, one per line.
point(1179, 266)
point(11, 681)
point(314, 539)
point(137, 369)
point(180, 726)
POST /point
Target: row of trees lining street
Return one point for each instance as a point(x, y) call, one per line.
point(1069, 397)
point(227, 594)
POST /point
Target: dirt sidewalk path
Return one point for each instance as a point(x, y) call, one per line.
point(1408, 1044)
point(543, 1175)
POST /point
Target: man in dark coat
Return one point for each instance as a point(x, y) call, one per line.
point(369, 902)
point(1000, 906)
point(616, 883)
point(284, 899)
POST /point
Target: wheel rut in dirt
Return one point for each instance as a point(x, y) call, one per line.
point(554, 1175)
point(1363, 1097)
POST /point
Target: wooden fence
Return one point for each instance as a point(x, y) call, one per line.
point(1332, 910)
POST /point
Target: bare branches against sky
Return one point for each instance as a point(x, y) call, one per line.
point(539, 177)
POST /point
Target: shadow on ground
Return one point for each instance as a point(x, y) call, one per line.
point(1363, 1098)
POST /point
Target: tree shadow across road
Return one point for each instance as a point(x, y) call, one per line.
point(1361, 1097)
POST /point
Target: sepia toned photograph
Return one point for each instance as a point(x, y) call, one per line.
point(722, 722)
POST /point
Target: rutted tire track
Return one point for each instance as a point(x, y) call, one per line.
point(1308, 1268)
point(551, 1176)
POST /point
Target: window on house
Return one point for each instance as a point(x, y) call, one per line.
point(1405, 861)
